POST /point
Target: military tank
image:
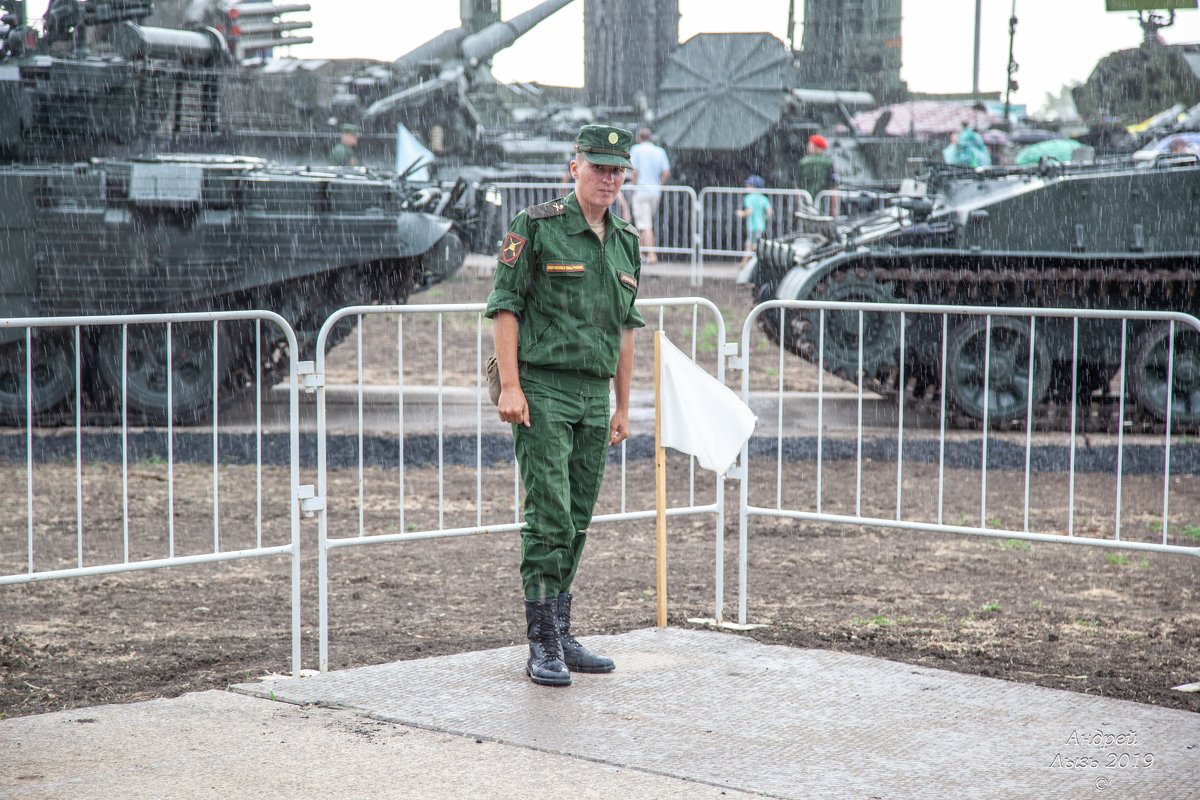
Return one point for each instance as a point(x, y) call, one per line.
point(1101, 235)
point(87, 227)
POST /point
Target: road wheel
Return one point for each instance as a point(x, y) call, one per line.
point(1148, 369)
point(880, 330)
point(1007, 393)
point(53, 374)
point(146, 366)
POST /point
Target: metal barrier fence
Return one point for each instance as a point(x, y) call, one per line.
point(118, 348)
point(459, 383)
point(675, 228)
point(698, 225)
point(1016, 358)
point(722, 233)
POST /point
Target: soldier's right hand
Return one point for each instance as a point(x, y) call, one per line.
point(513, 406)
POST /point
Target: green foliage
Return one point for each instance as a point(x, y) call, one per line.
point(1017, 544)
point(881, 621)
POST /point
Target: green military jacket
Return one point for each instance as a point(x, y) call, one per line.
point(572, 294)
point(816, 173)
point(343, 155)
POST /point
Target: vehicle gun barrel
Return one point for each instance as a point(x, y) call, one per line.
point(205, 47)
point(499, 35)
point(267, 9)
point(444, 45)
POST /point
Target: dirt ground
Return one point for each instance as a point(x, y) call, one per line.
point(1113, 623)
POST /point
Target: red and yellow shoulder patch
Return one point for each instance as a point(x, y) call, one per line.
point(559, 268)
point(510, 251)
point(629, 280)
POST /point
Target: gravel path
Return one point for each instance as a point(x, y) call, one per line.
point(460, 450)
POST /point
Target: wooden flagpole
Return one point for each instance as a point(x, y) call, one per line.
point(660, 485)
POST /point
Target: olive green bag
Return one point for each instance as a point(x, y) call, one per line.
point(492, 368)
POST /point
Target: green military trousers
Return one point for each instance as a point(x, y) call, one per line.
point(561, 458)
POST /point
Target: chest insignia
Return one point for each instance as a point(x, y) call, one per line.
point(510, 251)
point(556, 268)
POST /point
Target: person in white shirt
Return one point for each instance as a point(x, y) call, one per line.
point(651, 169)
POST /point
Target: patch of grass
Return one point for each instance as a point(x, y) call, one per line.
point(961, 520)
point(881, 621)
point(1191, 531)
point(1120, 559)
point(1087, 623)
point(1036, 604)
point(772, 372)
point(152, 459)
point(1017, 544)
point(995, 522)
point(990, 607)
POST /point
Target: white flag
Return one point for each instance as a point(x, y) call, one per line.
point(700, 415)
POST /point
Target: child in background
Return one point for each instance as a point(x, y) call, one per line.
point(755, 210)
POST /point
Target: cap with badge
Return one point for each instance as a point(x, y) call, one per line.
point(604, 144)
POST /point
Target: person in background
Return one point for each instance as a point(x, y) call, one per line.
point(562, 307)
point(967, 149)
point(817, 172)
point(651, 169)
point(756, 208)
point(1179, 147)
point(345, 153)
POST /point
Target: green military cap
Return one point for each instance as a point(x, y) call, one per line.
point(350, 127)
point(604, 144)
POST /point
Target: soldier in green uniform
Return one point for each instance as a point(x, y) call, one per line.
point(343, 153)
point(563, 313)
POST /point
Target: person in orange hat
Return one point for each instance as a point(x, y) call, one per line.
point(817, 172)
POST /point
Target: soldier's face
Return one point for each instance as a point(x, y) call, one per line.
point(596, 185)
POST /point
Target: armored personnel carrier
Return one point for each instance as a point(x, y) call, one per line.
point(99, 216)
point(1104, 235)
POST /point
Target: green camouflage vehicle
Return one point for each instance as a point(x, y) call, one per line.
point(1104, 235)
point(108, 207)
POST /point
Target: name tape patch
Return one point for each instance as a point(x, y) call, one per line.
point(555, 268)
point(629, 280)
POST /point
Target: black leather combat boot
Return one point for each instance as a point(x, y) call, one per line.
point(576, 656)
point(545, 665)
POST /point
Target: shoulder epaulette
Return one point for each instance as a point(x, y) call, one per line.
point(552, 209)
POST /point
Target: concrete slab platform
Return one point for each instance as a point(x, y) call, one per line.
point(224, 745)
point(722, 710)
point(688, 714)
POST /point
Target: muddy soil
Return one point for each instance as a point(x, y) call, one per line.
point(1114, 623)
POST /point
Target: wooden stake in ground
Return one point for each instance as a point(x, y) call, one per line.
point(660, 486)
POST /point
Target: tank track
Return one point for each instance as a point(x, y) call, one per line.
point(1098, 412)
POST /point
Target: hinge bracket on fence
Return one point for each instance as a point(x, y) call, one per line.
point(733, 360)
point(310, 379)
point(309, 502)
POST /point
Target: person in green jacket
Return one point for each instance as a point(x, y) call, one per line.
point(817, 171)
point(344, 153)
point(563, 314)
